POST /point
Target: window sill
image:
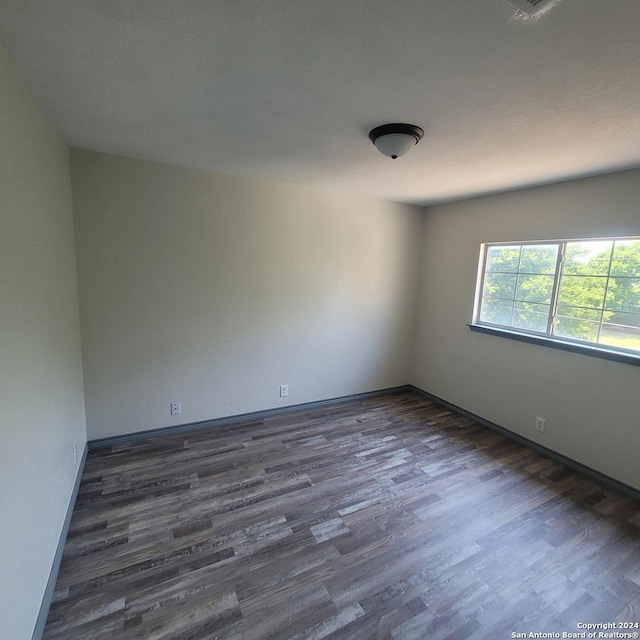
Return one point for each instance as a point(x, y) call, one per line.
point(555, 343)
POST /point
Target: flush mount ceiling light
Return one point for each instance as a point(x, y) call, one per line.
point(394, 140)
point(531, 7)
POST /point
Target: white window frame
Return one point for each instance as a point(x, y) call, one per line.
point(547, 338)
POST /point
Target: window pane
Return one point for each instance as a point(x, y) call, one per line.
point(626, 258)
point(577, 322)
point(539, 258)
point(500, 285)
point(576, 328)
point(582, 291)
point(623, 319)
point(623, 333)
point(579, 313)
point(503, 258)
point(533, 317)
point(588, 258)
point(534, 288)
point(496, 311)
point(623, 294)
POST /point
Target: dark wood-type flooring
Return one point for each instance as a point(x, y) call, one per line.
point(389, 517)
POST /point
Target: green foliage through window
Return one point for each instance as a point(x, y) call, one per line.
point(582, 290)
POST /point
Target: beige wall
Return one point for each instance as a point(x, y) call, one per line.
point(213, 290)
point(592, 406)
point(40, 365)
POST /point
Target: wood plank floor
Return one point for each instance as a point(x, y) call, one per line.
point(389, 517)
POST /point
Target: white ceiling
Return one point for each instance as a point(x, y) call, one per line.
point(287, 90)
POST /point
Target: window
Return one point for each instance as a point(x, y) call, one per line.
point(576, 291)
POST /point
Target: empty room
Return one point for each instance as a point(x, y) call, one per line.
point(319, 319)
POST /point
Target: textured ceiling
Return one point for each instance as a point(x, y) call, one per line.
point(287, 90)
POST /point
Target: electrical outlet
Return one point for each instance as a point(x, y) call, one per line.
point(175, 409)
point(284, 390)
point(541, 424)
